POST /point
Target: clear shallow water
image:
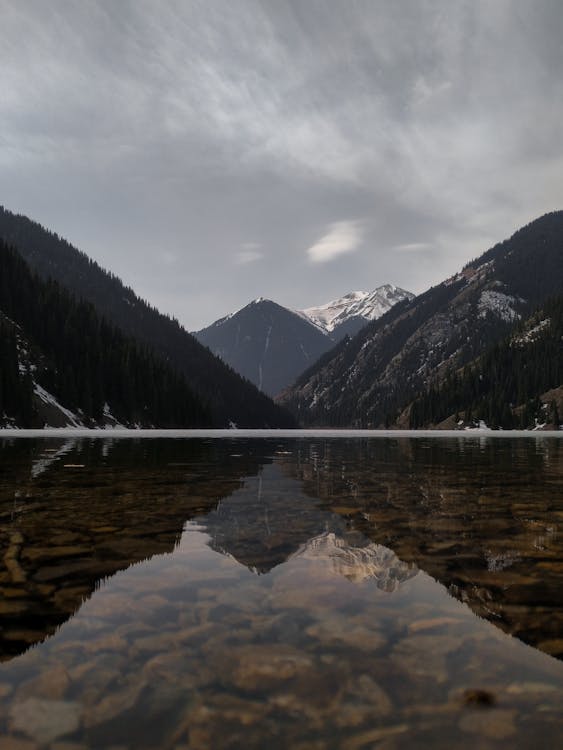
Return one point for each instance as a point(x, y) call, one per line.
point(391, 593)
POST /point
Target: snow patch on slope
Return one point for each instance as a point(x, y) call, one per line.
point(72, 419)
point(531, 336)
point(499, 304)
point(267, 345)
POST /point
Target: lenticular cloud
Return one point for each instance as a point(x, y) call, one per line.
point(342, 237)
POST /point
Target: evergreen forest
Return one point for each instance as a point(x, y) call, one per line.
point(503, 386)
point(229, 397)
point(51, 339)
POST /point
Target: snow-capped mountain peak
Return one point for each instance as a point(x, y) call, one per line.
point(272, 345)
point(358, 304)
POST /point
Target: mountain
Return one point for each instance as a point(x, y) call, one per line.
point(266, 343)
point(228, 397)
point(516, 383)
point(63, 364)
point(372, 379)
point(272, 345)
point(348, 314)
point(271, 520)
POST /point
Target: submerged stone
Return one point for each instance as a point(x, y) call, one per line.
point(45, 720)
point(16, 743)
point(264, 667)
point(497, 724)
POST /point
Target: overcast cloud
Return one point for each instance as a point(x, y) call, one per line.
point(210, 151)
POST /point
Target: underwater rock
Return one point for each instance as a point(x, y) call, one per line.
point(45, 720)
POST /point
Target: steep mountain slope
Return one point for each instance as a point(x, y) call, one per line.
point(57, 350)
point(515, 383)
point(267, 343)
point(369, 380)
point(348, 314)
point(229, 397)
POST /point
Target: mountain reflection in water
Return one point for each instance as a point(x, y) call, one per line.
point(228, 593)
point(270, 520)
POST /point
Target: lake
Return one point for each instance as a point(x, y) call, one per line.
point(282, 592)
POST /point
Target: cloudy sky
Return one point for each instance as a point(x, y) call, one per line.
point(213, 151)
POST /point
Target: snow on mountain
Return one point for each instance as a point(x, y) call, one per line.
point(271, 345)
point(56, 409)
point(374, 379)
point(356, 306)
point(498, 303)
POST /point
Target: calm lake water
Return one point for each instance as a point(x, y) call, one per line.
point(281, 593)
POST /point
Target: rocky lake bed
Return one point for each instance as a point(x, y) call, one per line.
point(304, 593)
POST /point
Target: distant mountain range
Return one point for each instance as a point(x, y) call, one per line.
point(272, 345)
point(485, 346)
point(453, 353)
point(223, 397)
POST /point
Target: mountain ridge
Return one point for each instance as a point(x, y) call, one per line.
point(370, 379)
point(230, 398)
point(63, 364)
point(272, 345)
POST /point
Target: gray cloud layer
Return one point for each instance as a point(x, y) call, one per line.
point(205, 151)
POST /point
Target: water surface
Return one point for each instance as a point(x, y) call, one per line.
point(307, 593)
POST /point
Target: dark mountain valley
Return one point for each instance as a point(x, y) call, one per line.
point(481, 348)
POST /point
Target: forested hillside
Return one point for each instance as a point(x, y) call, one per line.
point(504, 385)
point(16, 388)
point(51, 341)
point(229, 397)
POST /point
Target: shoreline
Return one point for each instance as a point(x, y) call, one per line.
point(84, 432)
